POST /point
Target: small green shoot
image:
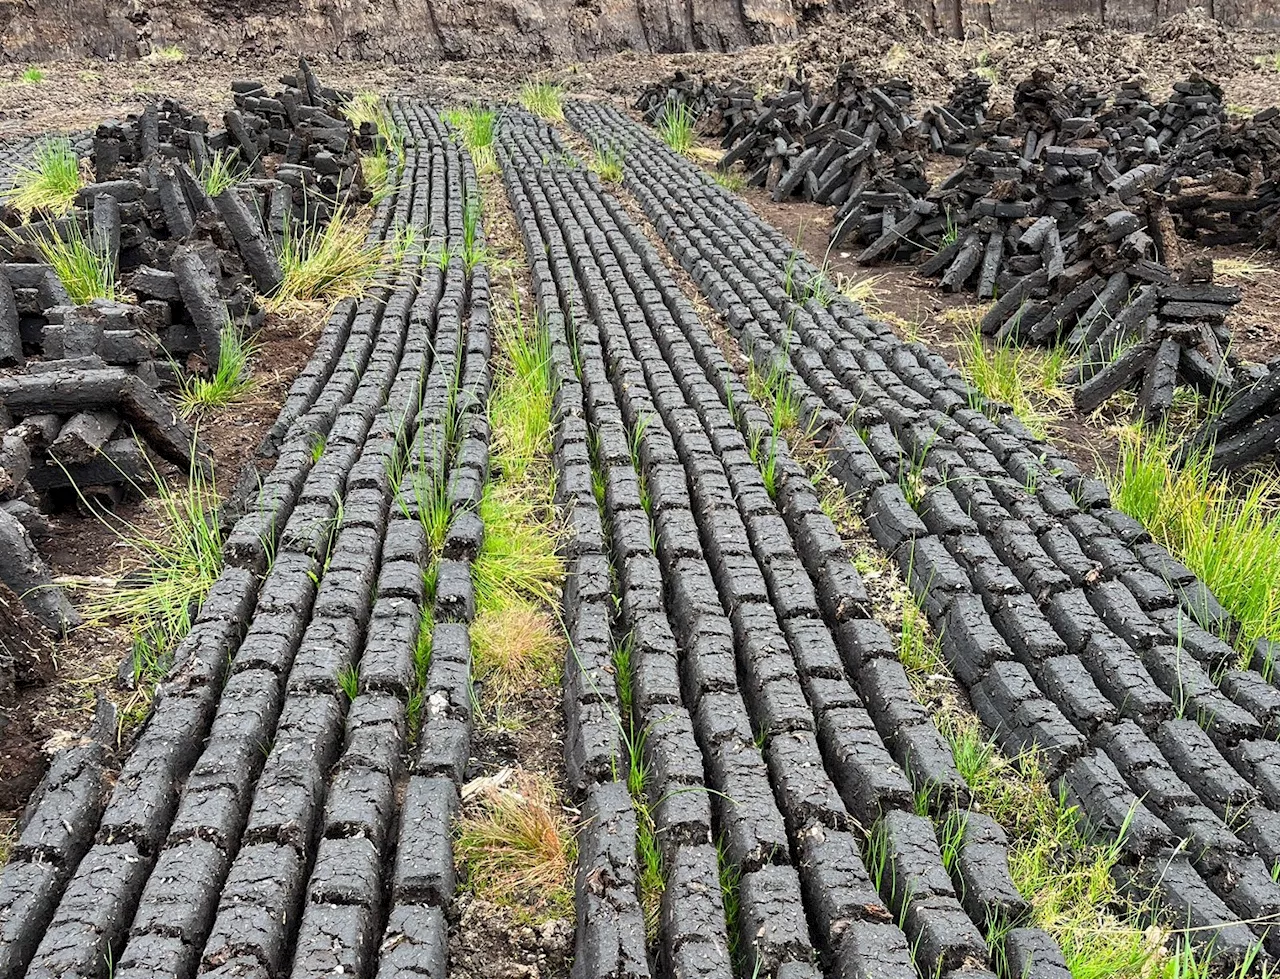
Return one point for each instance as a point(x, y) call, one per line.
point(33, 76)
point(349, 681)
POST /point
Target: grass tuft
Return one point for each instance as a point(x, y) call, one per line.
point(1225, 530)
point(675, 126)
point(179, 549)
point(521, 404)
point(731, 180)
point(518, 560)
point(368, 107)
point(50, 183)
point(1027, 380)
point(349, 681)
point(475, 124)
point(608, 164)
point(82, 264)
point(169, 54)
point(1242, 268)
point(517, 849)
point(33, 76)
point(919, 649)
point(230, 382)
point(774, 390)
point(545, 99)
point(328, 262)
point(864, 292)
point(515, 649)
point(1271, 61)
point(219, 174)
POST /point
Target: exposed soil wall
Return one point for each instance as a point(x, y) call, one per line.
point(545, 30)
point(404, 30)
point(958, 17)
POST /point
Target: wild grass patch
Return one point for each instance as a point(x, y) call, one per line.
point(168, 54)
point(1066, 877)
point(919, 649)
point(1249, 269)
point(732, 180)
point(83, 264)
point(8, 837)
point(675, 124)
point(231, 379)
point(515, 649)
point(517, 849)
point(387, 159)
point(865, 292)
point(179, 553)
point(521, 404)
point(475, 125)
point(519, 559)
point(545, 99)
point(50, 183)
point(326, 262)
point(1226, 530)
point(33, 75)
point(1026, 379)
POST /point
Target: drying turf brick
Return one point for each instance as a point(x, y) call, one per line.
point(772, 922)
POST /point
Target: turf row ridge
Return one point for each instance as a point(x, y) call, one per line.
point(205, 816)
point(728, 549)
point(752, 297)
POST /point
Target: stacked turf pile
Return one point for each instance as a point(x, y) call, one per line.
point(1070, 211)
point(114, 295)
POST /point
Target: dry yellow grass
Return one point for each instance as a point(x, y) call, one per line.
point(516, 846)
point(515, 649)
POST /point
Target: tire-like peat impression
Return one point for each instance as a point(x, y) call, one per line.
point(256, 827)
point(1073, 633)
point(776, 718)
